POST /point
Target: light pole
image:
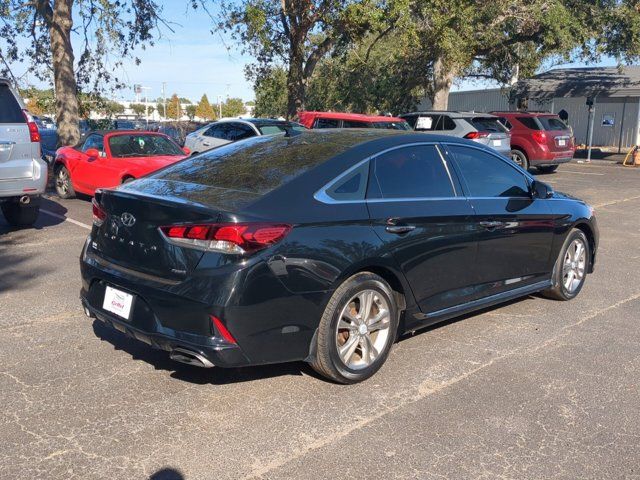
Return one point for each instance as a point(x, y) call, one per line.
point(146, 104)
point(219, 107)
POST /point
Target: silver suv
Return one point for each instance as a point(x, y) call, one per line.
point(23, 173)
point(479, 127)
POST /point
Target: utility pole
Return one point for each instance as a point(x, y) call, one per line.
point(164, 101)
point(219, 106)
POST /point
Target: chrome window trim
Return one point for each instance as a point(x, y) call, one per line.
point(322, 196)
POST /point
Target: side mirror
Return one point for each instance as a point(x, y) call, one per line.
point(186, 150)
point(92, 153)
point(541, 190)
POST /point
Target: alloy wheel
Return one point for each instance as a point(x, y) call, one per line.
point(363, 329)
point(62, 181)
point(573, 266)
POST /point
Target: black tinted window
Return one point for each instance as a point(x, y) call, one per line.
point(10, 111)
point(488, 176)
point(410, 119)
point(216, 131)
point(487, 124)
point(553, 124)
point(352, 186)
point(355, 124)
point(446, 123)
point(412, 172)
point(238, 131)
point(529, 122)
point(327, 123)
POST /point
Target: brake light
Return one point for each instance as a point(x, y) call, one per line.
point(222, 330)
point(539, 136)
point(474, 135)
point(99, 215)
point(236, 238)
point(34, 133)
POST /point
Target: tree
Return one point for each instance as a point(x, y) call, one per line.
point(105, 30)
point(190, 110)
point(233, 107)
point(204, 109)
point(138, 108)
point(160, 108)
point(271, 94)
point(174, 109)
point(296, 33)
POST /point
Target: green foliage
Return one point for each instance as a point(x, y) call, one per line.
point(190, 110)
point(233, 107)
point(271, 94)
point(204, 109)
point(174, 109)
point(138, 108)
point(39, 102)
point(160, 108)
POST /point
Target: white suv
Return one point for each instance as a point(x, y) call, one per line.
point(23, 173)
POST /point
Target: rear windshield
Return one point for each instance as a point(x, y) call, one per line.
point(552, 123)
point(261, 164)
point(487, 124)
point(10, 111)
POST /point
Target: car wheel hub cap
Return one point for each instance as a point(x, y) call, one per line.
point(363, 329)
point(573, 268)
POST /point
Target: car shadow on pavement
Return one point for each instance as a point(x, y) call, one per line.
point(160, 360)
point(167, 473)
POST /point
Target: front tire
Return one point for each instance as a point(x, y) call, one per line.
point(570, 270)
point(64, 187)
point(357, 329)
point(20, 215)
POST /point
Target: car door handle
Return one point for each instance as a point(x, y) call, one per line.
point(490, 225)
point(399, 229)
point(206, 144)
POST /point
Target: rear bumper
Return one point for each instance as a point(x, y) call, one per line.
point(36, 185)
point(213, 349)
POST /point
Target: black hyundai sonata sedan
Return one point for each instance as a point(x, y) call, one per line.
point(325, 247)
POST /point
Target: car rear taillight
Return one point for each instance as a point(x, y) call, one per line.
point(34, 133)
point(539, 136)
point(99, 215)
point(222, 330)
point(237, 238)
point(474, 135)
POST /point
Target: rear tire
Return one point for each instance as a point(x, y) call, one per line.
point(352, 344)
point(570, 269)
point(548, 169)
point(519, 158)
point(64, 187)
point(20, 215)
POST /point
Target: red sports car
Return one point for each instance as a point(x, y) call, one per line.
point(108, 159)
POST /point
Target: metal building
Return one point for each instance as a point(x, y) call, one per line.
point(614, 93)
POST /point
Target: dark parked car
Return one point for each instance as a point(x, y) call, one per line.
point(538, 139)
point(325, 246)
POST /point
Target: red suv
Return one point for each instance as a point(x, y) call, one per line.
point(350, 120)
point(538, 140)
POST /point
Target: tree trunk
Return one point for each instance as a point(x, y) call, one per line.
point(295, 81)
point(65, 84)
point(442, 80)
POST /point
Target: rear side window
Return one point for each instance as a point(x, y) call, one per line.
point(487, 124)
point(488, 176)
point(446, 123)
point(238, 131)
point(10, 111)
point(327, 123)
point(355, 124)
point(352, 186)
point(427, 122)
point(410, 172)
point(552, 123)
point(529, 122)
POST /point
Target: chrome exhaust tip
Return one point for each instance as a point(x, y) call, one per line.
point(25, 200)
point(189, 357)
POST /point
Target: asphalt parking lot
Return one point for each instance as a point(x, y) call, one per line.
point(532, 389)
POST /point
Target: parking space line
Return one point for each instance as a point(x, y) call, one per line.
point(66, 219)
point(582, 173)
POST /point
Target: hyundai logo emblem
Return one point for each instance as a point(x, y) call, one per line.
point(127, 219)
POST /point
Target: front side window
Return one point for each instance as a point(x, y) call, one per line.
point(327, 123)
point(355, 124)
point(410, 172)
point(486, 175)
point(215, 131)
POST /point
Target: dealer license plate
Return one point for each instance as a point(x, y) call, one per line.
point(497, 143)
point(117, 302)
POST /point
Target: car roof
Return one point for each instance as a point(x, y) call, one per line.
point(350, 116)
point(115, 132)
point(451, 113)
point(526, 114)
